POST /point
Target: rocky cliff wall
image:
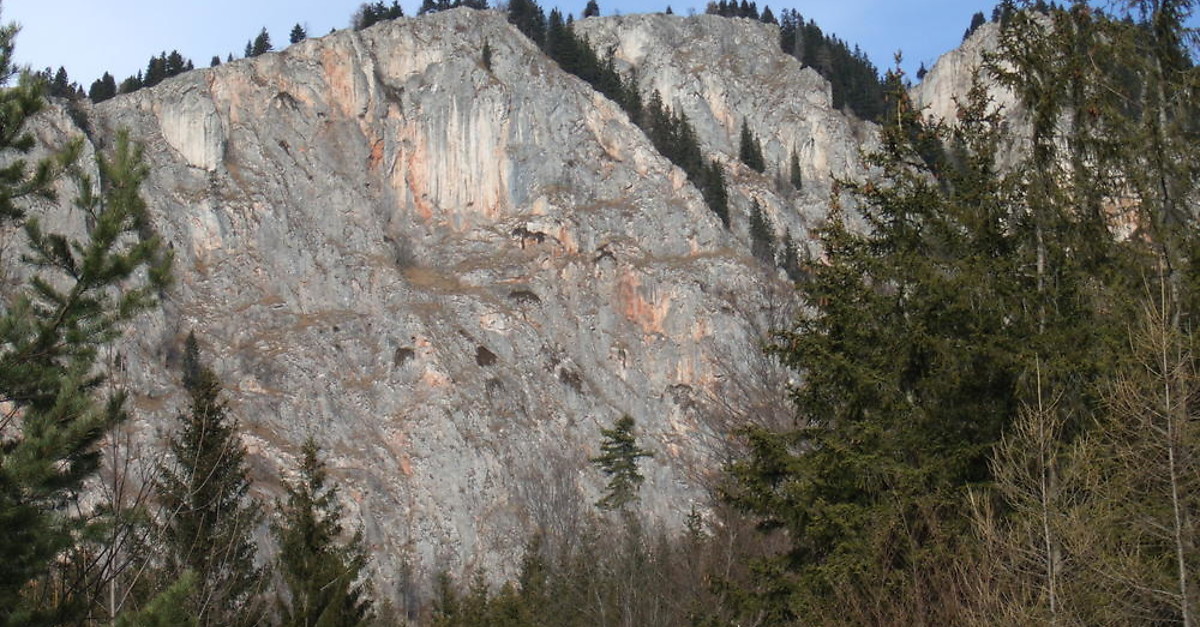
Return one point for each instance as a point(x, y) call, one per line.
point(454, 276)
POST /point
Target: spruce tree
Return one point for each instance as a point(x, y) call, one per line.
point(60, 85)
point(750, 151)
point(262, 44)
point(207, 513)
point(528, 17)
point(762, 234)
point(712, 188)
point(789, 258)
point(795, 176)
point(156, 71)
point(321, 569)
point(298, 34)
point(103, 88)
point(131, 84)
point(911, 354)
point(77, 297)
point(618, 460)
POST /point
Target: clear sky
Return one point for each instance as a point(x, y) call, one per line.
point(89, 37)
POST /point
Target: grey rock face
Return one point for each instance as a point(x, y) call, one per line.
point(454, 276)
point(951, 77)
point(721, 71)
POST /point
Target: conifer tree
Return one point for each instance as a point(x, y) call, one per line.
point(912, 358)
point(262, 44)
point(168, 609)
point(156, 71)
point(762, 234)
point(320, 567)
point(78, 296)
point(131, 84)
point(618, 460)
point(298, 34)
point(750, 150)
point(795, 175)
point(528, 17)
point(712, 188)
point(592, 9)
point(789, 258)
point(175, 64)
point(103, 88)
point(60, 85)
point(207, 514)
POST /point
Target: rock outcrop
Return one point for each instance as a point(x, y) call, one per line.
point(952, 76)
point(454, 275)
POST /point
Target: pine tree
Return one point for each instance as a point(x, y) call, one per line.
point(977, 20)
point(618, 460)
point(790, 258)
point(168, 609)
point(156, 70)
point(795, 176)
point(207, 514)
point(750, 151)
point(131, 84)
point(529, 18)
point(592, 9)
point(911, 358)
point(712, 188)
point(320, 568)
point(262, 44)
point(79, 295)
point(176, 64)
point(103, 88)
point(298, 34)
point(60, 85)
point(762, 234)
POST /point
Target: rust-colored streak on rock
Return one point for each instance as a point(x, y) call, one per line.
point(376, 155)
point(647, 313)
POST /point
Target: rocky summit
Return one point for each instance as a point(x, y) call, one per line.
point(453, 273)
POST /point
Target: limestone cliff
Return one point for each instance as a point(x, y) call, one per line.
point(454, 275)
point(951, 76)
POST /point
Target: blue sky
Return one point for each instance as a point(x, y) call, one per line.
point(89, 37)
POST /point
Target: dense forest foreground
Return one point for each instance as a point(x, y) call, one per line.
point(995, 417)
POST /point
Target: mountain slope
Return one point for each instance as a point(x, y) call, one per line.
point(454, 275)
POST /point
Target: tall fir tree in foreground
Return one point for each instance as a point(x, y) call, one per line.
point(207, 513)
point(67, 299)
point(321, 569)
point(915, 357)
